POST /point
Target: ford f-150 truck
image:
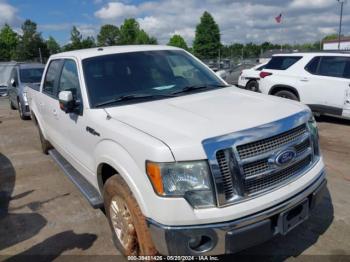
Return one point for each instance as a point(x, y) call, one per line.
point(182, 163)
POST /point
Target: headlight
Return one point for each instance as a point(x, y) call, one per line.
point(314, 133)
point(190, 180)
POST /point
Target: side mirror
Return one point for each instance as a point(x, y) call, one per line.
point(13, 82)
point(67, 102)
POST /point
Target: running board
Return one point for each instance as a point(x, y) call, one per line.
point(84, 186)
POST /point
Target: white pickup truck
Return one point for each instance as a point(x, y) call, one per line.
point(183, 163)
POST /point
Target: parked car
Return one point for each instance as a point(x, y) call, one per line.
point(5, 71)
point(23, 75)
point(249, 78)
point(319, 80)
point(155, 137)
point(234, 73)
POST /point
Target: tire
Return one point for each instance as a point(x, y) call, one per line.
point(129, 229)
point(287, 94)
point(252, 86)
point(45, 145)
point(20, 111)
point(11, 105)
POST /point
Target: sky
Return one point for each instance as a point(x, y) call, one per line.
point(240, 21)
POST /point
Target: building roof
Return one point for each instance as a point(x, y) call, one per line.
point(98, 51)
point(342, 39)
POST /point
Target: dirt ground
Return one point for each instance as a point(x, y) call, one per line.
point(42, 213)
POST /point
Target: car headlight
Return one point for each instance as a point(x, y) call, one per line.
point(312, 125)
point(191, 180)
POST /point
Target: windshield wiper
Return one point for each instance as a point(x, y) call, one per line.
point(131, 97)
point(196, 87)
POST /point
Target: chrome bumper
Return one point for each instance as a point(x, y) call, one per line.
point(232, 236)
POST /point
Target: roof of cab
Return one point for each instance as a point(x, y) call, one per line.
point(98, 51)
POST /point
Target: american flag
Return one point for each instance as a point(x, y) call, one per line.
point(278, 18)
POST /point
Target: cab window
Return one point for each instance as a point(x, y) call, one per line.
point(51, 77)
point(69, 80)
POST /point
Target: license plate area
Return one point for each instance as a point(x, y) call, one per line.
point(293, 217)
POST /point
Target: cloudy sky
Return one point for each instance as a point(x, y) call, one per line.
point(239, 20)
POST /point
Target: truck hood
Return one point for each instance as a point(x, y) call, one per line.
point(184, 122)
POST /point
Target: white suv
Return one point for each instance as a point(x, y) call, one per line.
point(320, 80)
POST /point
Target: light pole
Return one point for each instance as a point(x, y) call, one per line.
point(340, 20)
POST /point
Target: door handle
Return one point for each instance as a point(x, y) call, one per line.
point(55, 112)
point(304, 79)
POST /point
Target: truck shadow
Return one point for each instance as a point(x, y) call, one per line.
point(54, 246)
point(15, 227)
point(298, 240)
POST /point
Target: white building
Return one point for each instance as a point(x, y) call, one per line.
point(333, 44)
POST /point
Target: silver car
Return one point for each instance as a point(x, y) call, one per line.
point(23, 75)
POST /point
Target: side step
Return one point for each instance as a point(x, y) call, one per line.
point(84, 186)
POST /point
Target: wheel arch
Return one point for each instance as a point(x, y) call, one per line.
point(277, 88)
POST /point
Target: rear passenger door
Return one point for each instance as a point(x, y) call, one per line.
point(332, 81)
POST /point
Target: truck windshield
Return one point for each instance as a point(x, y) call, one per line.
point(146, 75)
point(31, 75)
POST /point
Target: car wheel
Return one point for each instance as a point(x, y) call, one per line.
point(45, 145)
point(129, 229)
point(252, 86)
point(20, 111)
point(12, 105)
point(287, 94)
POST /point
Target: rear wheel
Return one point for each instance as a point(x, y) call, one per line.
point(252, 86)
point(45, 145)
point(287, 94)
point(129, 229)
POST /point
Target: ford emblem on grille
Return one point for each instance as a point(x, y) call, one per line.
point(285, 157)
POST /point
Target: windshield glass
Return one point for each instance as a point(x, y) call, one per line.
point(154, 74)
point(31, 75)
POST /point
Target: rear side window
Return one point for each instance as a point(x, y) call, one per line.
point(282, 62)
point(312, 66)
point(335, 66)
point(51, 78)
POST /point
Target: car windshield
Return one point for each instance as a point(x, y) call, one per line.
point(145, 75)
point(31, 75)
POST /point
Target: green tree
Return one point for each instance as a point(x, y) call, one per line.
point(78, 42)
point(52, 46)
point(331, 37)
point(8, 43)
point(131, 34)
point(178, 41)
point(129, 31)
point(31, 44)
point(206, 43)
point(109, 35)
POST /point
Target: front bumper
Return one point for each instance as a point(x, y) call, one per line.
point(232, 236)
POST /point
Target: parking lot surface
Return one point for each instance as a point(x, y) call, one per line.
point(42, 213)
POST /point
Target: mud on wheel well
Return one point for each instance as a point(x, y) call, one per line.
point(278, 88)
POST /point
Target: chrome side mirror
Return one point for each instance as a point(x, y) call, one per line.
point(13, 82)
point(66, 100)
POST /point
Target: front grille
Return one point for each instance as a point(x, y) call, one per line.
point(271, 143)
point(257, 174)
point(254, 185)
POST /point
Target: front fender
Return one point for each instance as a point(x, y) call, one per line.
point(111, 153)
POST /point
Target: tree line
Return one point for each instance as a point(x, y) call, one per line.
point(31, 46)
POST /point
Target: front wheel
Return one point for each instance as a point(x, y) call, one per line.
point(287, 94)
point(20, 110)
point(12, 105)
point(129, 229)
